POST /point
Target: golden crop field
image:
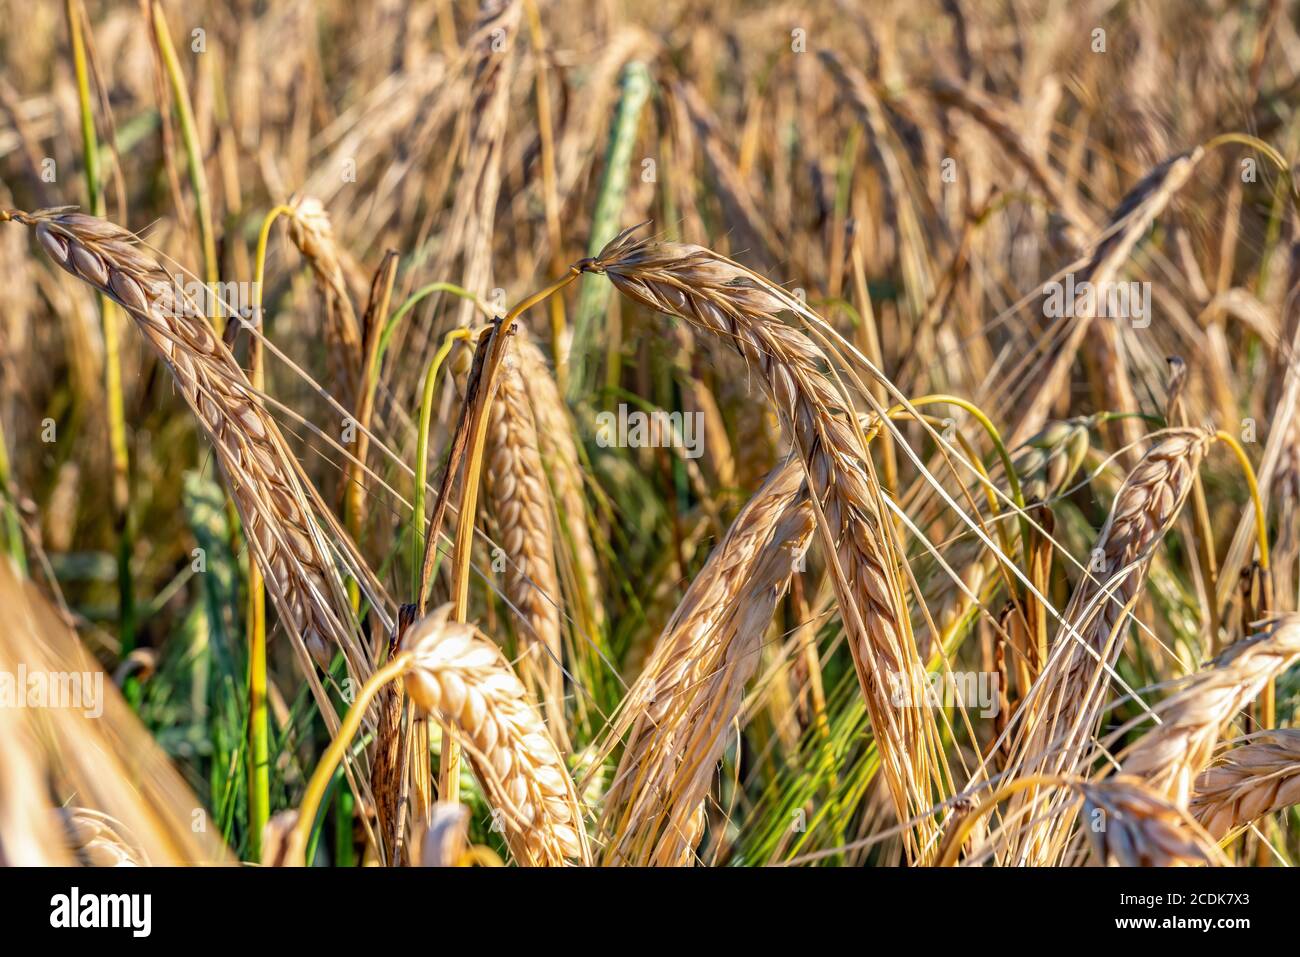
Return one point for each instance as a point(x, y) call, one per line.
point(623, 433)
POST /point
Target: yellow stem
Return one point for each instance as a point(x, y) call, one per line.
point(1261, 521)
point(329, 761)
point(1013, 480)
point(449, 766)
point(259, 752)
point(967, 824)
point(1268, 700)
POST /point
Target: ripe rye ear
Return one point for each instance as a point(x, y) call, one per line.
point(461, 678)
point(746, 311)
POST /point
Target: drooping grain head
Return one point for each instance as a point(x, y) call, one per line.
point(1170, 755)
point(677, 713)
point(1130, 826)
point(275, 502)
point(1260, 776)
point(747, 312)
point(311, 232)
point(463, 680)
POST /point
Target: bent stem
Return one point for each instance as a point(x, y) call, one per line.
point(329, 762)
point(967, 823)
point(1252, 483)
point(412, 301)
point(1013, 480)
point(1255, 143)
point(1268, 699)
point(422, 446)
point(449, 766)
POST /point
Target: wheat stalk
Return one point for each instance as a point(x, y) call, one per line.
point(1260, 776)
point(677, 713)
point(1062, 708)
point(275, 501)
point(519, 502)
point(564, 469)
point(743, 309)
point(988, 114)
point(462, 678)
point(1131, 826)
point(1170, 755)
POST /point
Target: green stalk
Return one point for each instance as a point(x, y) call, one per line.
point(343, 808)
point(13, 530)
point(391, 325)
point(193, 151)
point(259, 750)
point(995, 437)
point(112, 359)
point(594, 297)
point(422, 450)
